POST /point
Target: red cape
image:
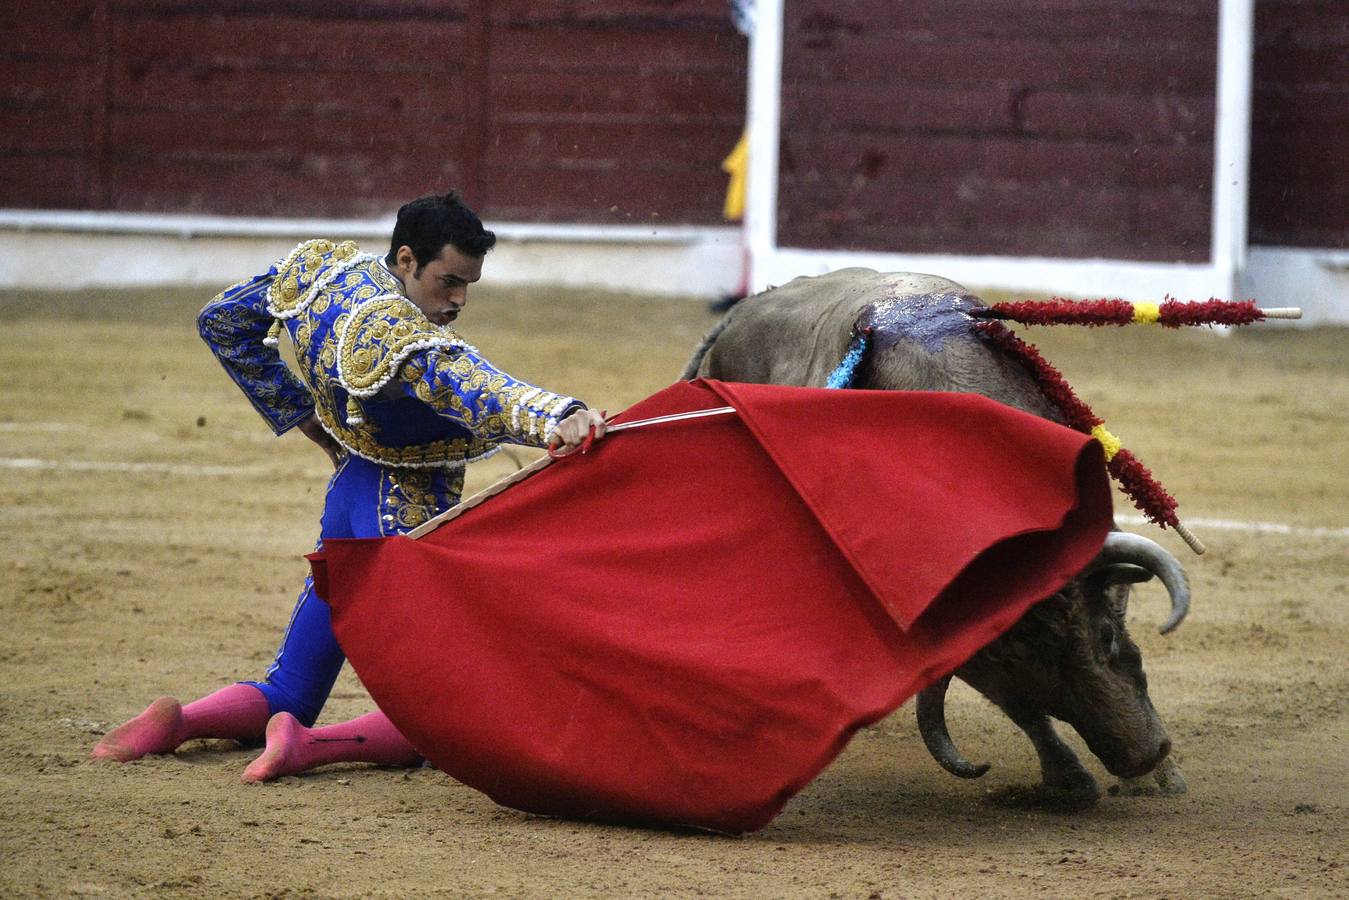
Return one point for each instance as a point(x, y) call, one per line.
point(688, 623)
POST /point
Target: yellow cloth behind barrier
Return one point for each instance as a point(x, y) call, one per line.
point(737, 166)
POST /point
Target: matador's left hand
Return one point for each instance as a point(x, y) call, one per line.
point(311, 429)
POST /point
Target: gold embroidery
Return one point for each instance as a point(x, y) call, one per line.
point(361, 439)
point(516, 409)
point(408, 497)
point(381, 333)
point(303, 268)
point(361, 442)
point(373, 333)
point(304, 333)
point(384, 278)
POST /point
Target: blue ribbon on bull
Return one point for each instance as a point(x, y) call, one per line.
point(845, 373)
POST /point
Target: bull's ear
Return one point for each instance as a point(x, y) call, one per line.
point(1121, 573)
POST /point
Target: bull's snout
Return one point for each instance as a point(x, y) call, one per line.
point(1138, 765)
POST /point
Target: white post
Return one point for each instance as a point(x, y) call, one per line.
point(765, 115)
point(1232, 144)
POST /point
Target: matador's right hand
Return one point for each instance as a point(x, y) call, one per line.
point(574, 430)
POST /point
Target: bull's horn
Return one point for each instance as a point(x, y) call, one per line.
point(1122, 547)
point(932, 726)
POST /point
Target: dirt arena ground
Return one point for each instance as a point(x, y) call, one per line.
point(153, 533)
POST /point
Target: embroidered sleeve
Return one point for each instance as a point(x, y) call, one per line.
point(234, 325)
point(461, 385)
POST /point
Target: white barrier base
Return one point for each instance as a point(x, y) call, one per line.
point(76, 249)
point(73, 250)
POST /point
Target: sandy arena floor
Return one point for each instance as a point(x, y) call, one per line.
point(153, 536)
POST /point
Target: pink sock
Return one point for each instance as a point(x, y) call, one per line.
point(292, 748)
point(237, 712)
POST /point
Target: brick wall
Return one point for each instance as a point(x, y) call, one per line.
point(1072, 128)
point(1045, 127)
point(1300, 127)
point(562, 111)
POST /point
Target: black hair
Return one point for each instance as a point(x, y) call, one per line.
point(427, 224)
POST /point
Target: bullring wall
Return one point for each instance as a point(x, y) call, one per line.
point(1060, 128)
point(1045, 127)
point(569, 110)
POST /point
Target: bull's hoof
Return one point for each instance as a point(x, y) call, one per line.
point(1170, 779)
point(1167, 780)
point(1142, 786)
point(1047, 798)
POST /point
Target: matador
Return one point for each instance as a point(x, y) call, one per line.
point(400, 403)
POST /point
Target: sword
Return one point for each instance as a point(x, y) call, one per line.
point(673, 417)
point(497, 487)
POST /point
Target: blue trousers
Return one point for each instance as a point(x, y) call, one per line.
point(364, 500)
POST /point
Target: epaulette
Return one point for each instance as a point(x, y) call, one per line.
point(377, 336)
point(304, 273)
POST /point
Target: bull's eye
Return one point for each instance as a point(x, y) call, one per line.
point(1109, 640)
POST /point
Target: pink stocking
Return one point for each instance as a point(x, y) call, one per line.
point(292, 748)
point(237, 712)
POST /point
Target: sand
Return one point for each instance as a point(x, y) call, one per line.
point(153, 533)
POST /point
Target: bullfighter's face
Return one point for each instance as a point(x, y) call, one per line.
point(439, 288)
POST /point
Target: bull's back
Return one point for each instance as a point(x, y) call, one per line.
point(921, 337)
point(797, 333)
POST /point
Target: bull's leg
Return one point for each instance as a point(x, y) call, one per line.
point(1065, 786)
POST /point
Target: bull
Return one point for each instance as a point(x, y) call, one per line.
point(1070, 657)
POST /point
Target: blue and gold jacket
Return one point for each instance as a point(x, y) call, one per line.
point(384, 381)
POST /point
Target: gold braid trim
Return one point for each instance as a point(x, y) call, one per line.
point(449, 454)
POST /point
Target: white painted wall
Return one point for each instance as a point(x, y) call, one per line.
point(693, 262)
point(87, 249)
point(1085, 278)
point(1316, 280)
point(1232, 144)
